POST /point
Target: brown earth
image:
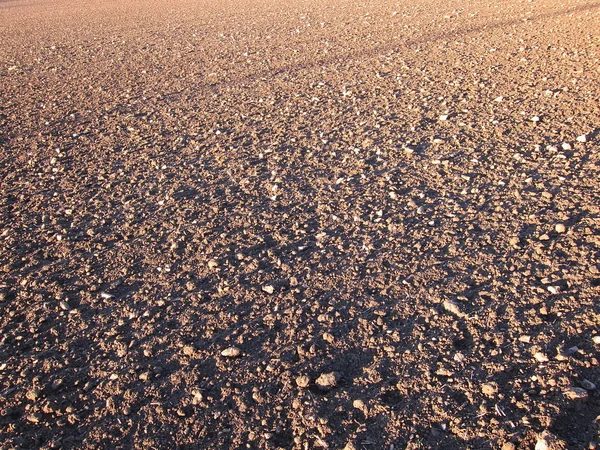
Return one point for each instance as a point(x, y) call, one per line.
point(379, 211)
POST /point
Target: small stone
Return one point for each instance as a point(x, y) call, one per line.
point(268, 289)
point(542, 444)
point(180, 412)
point(212, 264)
point(111, 405)
point(596, 340)
point(126, 410)
point(575, 393)
point(444, 117)
point(553, 289)
point(452, 306)
point(231, 352)
point(188, 350)
point(302, 381)
point(535, 119)
point(489, 388)
point(34, 418)
point(548, 441)
point(541, 357)
point(328, 338)
point(64, 305)
point(582, 138)
point(560, 228)
point(328, 381)
point(509, 446)
point(499, 99)
point(359, 404)
point(459, 358)
point(544, 237)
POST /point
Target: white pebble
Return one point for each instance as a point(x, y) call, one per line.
point(268, 289)
point(231, 352)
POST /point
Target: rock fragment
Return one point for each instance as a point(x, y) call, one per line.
point(453, 307)
point(328, 337)
point(231, 352)
point(34, 418)
point(268, 289)
point(548, 441)
point(560, 228)
point(359, 404)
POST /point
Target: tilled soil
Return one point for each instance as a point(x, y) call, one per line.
point(306, 224)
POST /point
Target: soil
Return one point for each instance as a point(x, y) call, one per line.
point(299, 224)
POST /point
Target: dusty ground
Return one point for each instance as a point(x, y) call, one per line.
point(390, 210)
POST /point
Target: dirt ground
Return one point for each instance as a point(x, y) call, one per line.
point(299, 224)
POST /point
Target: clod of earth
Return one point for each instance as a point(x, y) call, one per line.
point(328, 381)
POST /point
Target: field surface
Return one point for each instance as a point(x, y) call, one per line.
point(299, 224)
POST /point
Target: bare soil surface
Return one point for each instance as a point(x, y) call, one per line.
point(299, 224)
